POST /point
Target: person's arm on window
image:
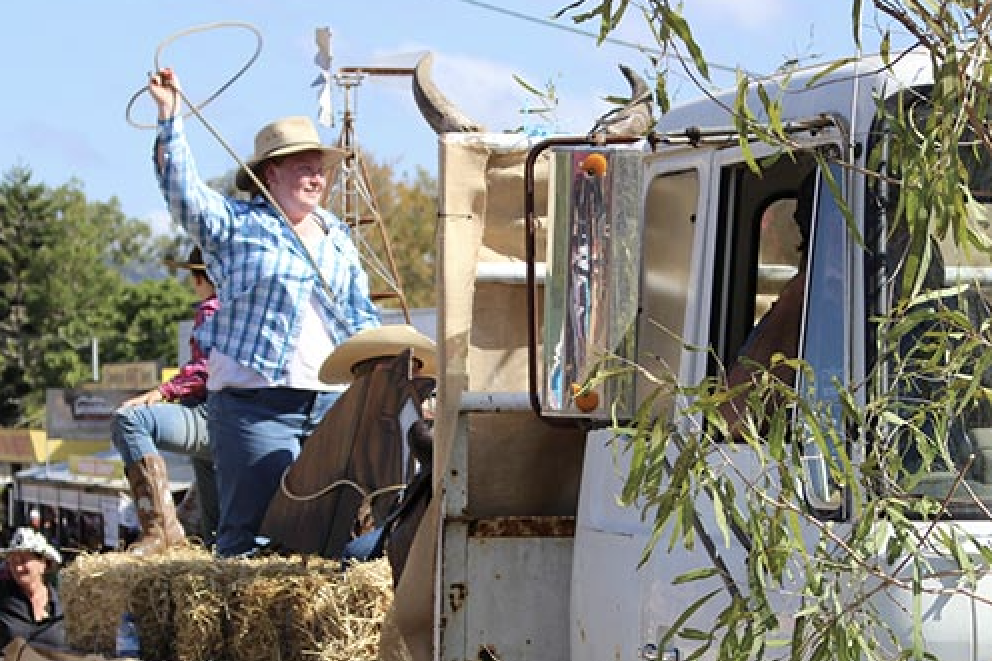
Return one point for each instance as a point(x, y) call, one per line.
point(777, 332)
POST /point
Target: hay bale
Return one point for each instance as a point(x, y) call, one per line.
point(340, 619)
point(190, 606)
point(261, 604)
point(91, 580)
point(311, 618)
point(121, 583)
point(199, 602)
point(255, 618)
point(152, 597)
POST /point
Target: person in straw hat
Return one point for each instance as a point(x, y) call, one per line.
point(29, 604)
point(279, 318)
point(173, 417)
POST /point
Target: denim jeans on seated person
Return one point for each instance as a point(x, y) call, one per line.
point(256, 433)
point(145, 430)
point(148, 429)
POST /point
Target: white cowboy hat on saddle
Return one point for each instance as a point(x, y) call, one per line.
point(382, 342)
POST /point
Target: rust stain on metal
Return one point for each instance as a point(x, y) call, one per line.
point(523, 526)
point(456, 596)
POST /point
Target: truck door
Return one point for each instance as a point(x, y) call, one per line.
point(707, 283)
point(607, 588)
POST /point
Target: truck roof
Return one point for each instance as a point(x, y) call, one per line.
point(842, 91)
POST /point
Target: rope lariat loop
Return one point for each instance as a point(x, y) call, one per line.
point(196, 29)
point(343, 482)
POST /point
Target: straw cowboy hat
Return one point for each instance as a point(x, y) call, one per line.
point(32, 541)
point(381, 342)
point(282, 137)
point(194, 262)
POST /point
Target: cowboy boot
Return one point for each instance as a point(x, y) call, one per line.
point(160, 527)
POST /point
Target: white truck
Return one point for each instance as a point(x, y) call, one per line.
point(664, 251)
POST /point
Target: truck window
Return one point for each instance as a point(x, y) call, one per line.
point(671, 206)
point(825, 332)
point(957, 290)
point(787, 254)
point(760, 299)
point(927, 371)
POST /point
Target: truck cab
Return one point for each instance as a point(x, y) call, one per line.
point(719, 240)
point(666, 253)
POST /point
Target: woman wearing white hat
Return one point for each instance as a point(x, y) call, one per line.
point(279, 318)
point(29, 605)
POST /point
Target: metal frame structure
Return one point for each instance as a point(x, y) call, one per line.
point(358, 206)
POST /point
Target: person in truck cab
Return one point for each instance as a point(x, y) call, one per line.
point(777, 332)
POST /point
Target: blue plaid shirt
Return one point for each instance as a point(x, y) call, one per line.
point(255, 260)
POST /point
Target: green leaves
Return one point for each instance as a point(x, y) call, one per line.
point(63, 263)
point(930, 347)
point(673, 23)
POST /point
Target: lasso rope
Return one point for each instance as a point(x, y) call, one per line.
point(343, 482)
point(220, 90)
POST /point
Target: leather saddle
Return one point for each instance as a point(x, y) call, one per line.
point(352, 471)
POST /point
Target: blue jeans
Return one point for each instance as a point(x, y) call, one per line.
point(142, 431)
point(206, 485)
point(256, 433)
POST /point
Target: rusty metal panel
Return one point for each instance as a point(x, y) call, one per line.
point(524, 526)
point(512, 600)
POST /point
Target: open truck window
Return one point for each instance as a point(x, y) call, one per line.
point(759, 298)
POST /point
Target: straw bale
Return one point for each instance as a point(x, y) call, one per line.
point(91, 580)
point(260, 604)
point(254, 619)
point(199, 603)
point(340, 619)
point(152, 600)
point(191, 606)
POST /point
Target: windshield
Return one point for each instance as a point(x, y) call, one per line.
point(939, 370)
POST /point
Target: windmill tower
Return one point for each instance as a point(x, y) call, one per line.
point(350, 195)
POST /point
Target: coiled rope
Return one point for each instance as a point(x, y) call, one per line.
point(206, 27)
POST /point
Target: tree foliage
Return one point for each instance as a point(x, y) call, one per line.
point(66, 264)
point(407, 208)
point(144, 319)
point(29, 224)
point(936, 347)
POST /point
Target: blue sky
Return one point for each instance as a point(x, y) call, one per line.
point(70, 68)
